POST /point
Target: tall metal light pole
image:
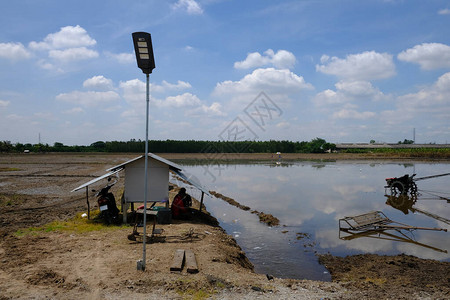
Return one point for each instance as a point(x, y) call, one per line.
point(146, 62)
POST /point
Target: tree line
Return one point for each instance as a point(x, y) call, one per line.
point(316, 145)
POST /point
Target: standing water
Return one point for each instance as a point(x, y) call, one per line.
point(309, 198)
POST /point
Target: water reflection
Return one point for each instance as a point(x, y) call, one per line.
point(310, 197)
point(406, 203)
point(401, 202)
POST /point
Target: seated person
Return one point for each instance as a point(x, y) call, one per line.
point(181, 204)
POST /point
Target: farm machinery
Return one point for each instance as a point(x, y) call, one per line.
point(406, 184)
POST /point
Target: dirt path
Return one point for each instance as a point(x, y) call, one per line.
point(101, 264)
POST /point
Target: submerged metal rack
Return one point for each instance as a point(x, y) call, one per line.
point(374, 221)
point(375, 224)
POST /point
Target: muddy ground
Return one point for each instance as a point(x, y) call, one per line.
point(101, 264)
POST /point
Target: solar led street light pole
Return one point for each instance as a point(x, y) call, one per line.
point(146, 62)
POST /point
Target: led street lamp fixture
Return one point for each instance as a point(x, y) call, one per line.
point(144, 51)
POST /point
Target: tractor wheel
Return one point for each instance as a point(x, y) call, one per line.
point(413, 188)
point(398, 187)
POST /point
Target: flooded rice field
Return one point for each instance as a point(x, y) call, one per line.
point(309, 198)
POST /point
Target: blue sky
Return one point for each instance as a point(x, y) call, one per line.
point(345, 71)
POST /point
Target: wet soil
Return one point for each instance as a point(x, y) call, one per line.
point(35, 190)
point(397, 277)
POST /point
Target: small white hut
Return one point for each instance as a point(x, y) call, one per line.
point(157, 177)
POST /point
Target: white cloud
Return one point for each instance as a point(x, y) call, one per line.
point(14, 51)
point(253, 60)
point(353, 114)
point(329, 97)
point(184, 100)
point(430, 105)
point(324, 58)
point(348, 91)
point(98, 83)
point(367, 65)
point(283, 125)
point(4, 103)
point(434, 99)
point(48, 116)
point(46, 65)
point(356, 88)
point(345, 101)
point(73, 111)
point(269, 80)
point(134, 90)
point(134, 94)
point(73, 54)
point(67, 37)
point(71, 43)
point(282, 60)
point(122, 58)
point(133, 85)
point(191, 7)
point(428, 55)
point(166, 86)
point(89, 99)
point(443, 83)
point(15, 118)
point(214, 109)
point(444, 11)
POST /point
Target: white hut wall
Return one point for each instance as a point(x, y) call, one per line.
point(158, 181)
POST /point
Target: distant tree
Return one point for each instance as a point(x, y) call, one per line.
point(99, 146)
point(317, 145)
point(41, 148)
point(372, 142)
point(19, 147)
point(59, 147)
point(406, 142)
point(6, 146)
point(329, 146)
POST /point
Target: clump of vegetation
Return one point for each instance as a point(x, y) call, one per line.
point(263, 217)
point(302, 235)
point(267, 218)
point(10, 199)
point(376, 281)
point(77, 224)
point(9, 169)
point(431, 153)
point(406, 142)
point(195, 294)
point(229, 200)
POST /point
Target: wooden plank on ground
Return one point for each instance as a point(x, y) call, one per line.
point(178, 259)
point(191, 262)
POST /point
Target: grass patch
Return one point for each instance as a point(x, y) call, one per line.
point(195, 294)
point(9, 169)
point(431, 153)
point(9, 200)
point(376, 281)
point(77, 224)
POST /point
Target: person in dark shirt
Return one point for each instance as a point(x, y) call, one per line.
point(181, 204)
